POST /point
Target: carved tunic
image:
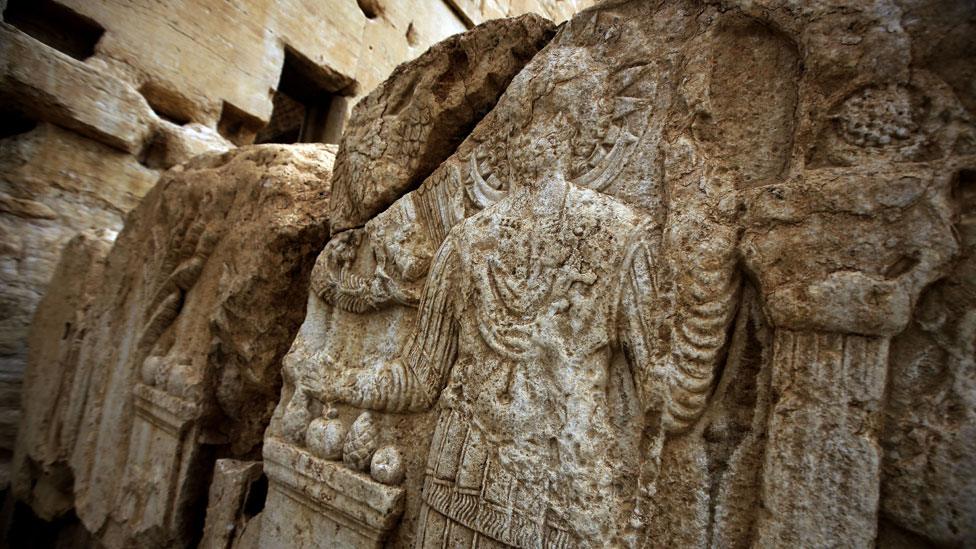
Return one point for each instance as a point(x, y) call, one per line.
point(518, 324)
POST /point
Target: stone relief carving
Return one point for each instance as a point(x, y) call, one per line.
point(701, 277)
point(40, 475)
point(691, 214)
point(402, 130)
point(178, 351)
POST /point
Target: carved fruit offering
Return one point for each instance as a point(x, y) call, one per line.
point(387, 466)
point(360, 443)
point(325, 437)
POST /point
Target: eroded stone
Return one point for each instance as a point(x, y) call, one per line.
point(699, 278)
point(199, 299)
point(402, 130)
point(653, 291)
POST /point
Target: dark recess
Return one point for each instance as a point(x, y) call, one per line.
point(15, 123)
point(371, 8)
point(55, 25)
point(305, 108)
point(257, 493)
point(28, 530)
point(236, 125)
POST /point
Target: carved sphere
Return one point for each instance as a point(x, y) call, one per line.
point(360, 443)
point(387, 466)
point(150, 369)
point(324, 438)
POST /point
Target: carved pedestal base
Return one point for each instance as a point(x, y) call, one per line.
point(164, 452)
point(823, 462)
point(315, 503)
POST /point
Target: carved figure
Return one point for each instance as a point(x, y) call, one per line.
point(525, 307)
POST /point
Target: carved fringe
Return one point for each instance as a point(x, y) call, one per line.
point(505, 525)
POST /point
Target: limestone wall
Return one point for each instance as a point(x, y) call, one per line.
point(98, 96)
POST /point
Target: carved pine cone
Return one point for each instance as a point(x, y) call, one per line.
point(360, 443)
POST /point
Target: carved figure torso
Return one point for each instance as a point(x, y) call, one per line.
point(521, 446)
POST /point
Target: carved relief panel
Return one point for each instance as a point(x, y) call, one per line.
point(681, 242)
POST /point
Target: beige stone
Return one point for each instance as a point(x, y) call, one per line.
point(40, 473)
point(477, 12)
point(56, 88)
point(400, 33)
point(200, 297)
point(53, 184)
point(166, 84)
point(57, 182)
point(235, 494)
point(402, 130)
point(201, 68)
point(699, 277)
point(649, 300)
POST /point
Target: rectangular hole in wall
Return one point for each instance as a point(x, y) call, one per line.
point(167, 105)
point(308, 104)
point(55, 25)
point(287, 117)
point(15, 122)
point(237, 126)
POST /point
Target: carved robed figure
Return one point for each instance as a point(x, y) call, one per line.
point(526, 306)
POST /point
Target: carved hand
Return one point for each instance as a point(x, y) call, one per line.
point(338, 388)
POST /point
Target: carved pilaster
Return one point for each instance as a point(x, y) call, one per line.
point(822, 467)
point(163, 451)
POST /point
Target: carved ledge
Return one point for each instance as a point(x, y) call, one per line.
point(170, 413)
point(352, 500)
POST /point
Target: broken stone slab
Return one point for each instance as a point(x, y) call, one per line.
point(929, 437)
point(406, 127)
point(201, 296)
point(56, 184)
point(235, 496)
point(40, 474)
point(338, 506)
point(669, 126)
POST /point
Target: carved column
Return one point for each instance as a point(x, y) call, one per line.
point(840, 257)
point(164, 451)
point(822, 467)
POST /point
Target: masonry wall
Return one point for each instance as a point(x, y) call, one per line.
point(98, 97)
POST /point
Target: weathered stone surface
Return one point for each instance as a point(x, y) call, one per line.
point(401, 131)
point(164, 85)
point(930, 418)
point(701, 277)
point(477, 12)
point(200, 69)
point(40, 474)
point(199, 299)
point(650, 299)
point(235, 492)
point(51, 86)
point(53, 184)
